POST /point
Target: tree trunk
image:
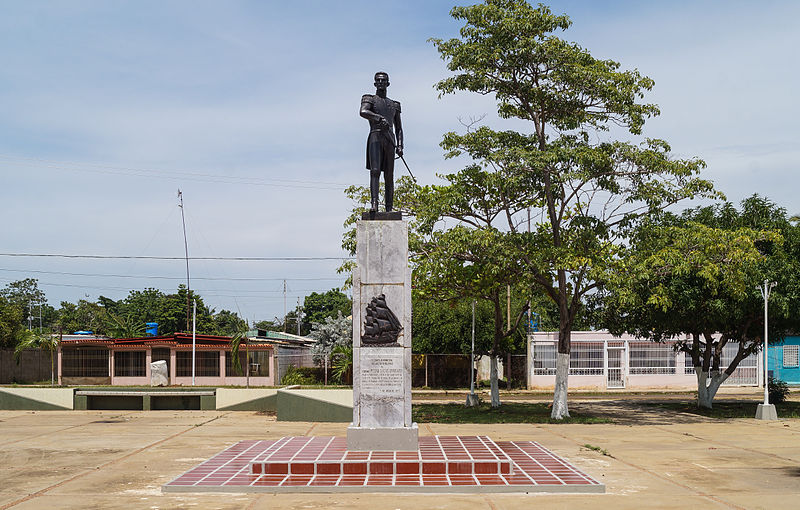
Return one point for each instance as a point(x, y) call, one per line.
point(560, 408)
point(52, 372)
point(707, 386)
point(495, 389)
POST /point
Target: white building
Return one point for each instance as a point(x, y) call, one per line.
point(599, 360)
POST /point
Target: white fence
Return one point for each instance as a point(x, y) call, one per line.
point(598, 359)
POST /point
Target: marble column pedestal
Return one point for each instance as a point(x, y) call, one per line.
point(382, 373)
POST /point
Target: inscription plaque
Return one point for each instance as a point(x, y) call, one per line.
point(382, 374)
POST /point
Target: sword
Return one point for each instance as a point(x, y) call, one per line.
point(386, 133)
point(409, 170)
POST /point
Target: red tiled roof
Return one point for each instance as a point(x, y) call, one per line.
point(178, 340)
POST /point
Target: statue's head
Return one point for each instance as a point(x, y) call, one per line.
point(381, 80)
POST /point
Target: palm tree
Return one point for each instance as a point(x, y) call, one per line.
point(342, 364)
point(236, 341)
point(123, 327)
point(38, 341)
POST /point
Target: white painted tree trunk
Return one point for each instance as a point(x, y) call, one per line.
point(560, 409)
point(707, 386)
point(495, 389)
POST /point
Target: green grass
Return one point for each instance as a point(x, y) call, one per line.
point(510, 412)
point(722, 410)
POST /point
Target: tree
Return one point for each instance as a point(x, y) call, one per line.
point(227, 323)
point(11, 323)
point(584, 190)
point(82, 316)
point(318, 306)
point(236, 342)
point(26, 295)
point(467, 262)
point(696, 275)
point(329, 334)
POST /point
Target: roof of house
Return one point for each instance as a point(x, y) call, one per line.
point(175, 339)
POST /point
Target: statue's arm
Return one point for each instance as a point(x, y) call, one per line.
point(366, 109)
point(398, 130)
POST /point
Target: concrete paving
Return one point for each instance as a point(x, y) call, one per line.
point(120, 459)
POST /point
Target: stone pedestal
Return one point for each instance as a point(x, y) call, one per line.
point(382, 371)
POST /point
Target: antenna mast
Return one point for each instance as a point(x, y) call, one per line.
point(186, 251)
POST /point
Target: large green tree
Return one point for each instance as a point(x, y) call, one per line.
point(319, 305)
point(583, 188)
point(696, 274)
point(11, 327)
point(26, 295)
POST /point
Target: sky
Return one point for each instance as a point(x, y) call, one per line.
point(250, 108)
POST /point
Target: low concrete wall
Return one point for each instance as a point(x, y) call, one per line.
point(36, 398)
point(247, 399)
point(315, 405)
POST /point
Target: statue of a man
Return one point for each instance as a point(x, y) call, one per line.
point(383, 115)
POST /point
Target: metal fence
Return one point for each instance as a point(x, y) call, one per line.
point(452, 370)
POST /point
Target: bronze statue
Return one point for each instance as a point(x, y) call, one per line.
point(384, 141)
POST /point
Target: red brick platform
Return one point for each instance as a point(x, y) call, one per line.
point(442, 464)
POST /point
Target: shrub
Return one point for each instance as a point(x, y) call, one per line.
point(295, 375)
point(778, 391)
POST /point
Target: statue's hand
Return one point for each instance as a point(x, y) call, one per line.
point(399, 150)
point(384, 124)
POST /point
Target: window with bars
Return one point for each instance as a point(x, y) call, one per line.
point(791, 356)
point(544, 359)
point(651, 358)
point(206, 363)
point(259, 364)
point(130, 363)
point(586, 358)
point(81, 362)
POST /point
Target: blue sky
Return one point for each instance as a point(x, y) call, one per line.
point(107, 108)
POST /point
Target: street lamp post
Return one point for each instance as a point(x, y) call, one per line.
point(766, 411)
point(472, 398)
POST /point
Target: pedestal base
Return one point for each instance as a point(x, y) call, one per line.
point(766, 412)
point(365, 439)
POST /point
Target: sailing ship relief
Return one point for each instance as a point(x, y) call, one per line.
point(381, 325)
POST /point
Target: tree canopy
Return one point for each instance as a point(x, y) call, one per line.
point(583, 188)
point(696, 275)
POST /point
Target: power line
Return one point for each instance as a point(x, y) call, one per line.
point(167, 174)
point(151, 257)
point(153, 277)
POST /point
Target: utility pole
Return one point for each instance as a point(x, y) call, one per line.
point(30, 316)
point(298, 316)
point(472, 398)
point(285, 317)
point(508, 307)
point(186, 251)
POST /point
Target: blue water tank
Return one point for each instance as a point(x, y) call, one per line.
point(152, 328)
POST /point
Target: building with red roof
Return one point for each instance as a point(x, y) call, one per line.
point(86, 359)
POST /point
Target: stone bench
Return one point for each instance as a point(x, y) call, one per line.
point(145, 400)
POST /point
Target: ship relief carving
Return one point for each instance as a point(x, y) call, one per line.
point(381, 326)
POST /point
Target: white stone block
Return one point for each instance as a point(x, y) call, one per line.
point(158, 373)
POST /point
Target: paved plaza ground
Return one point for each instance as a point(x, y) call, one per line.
point(650, 458)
